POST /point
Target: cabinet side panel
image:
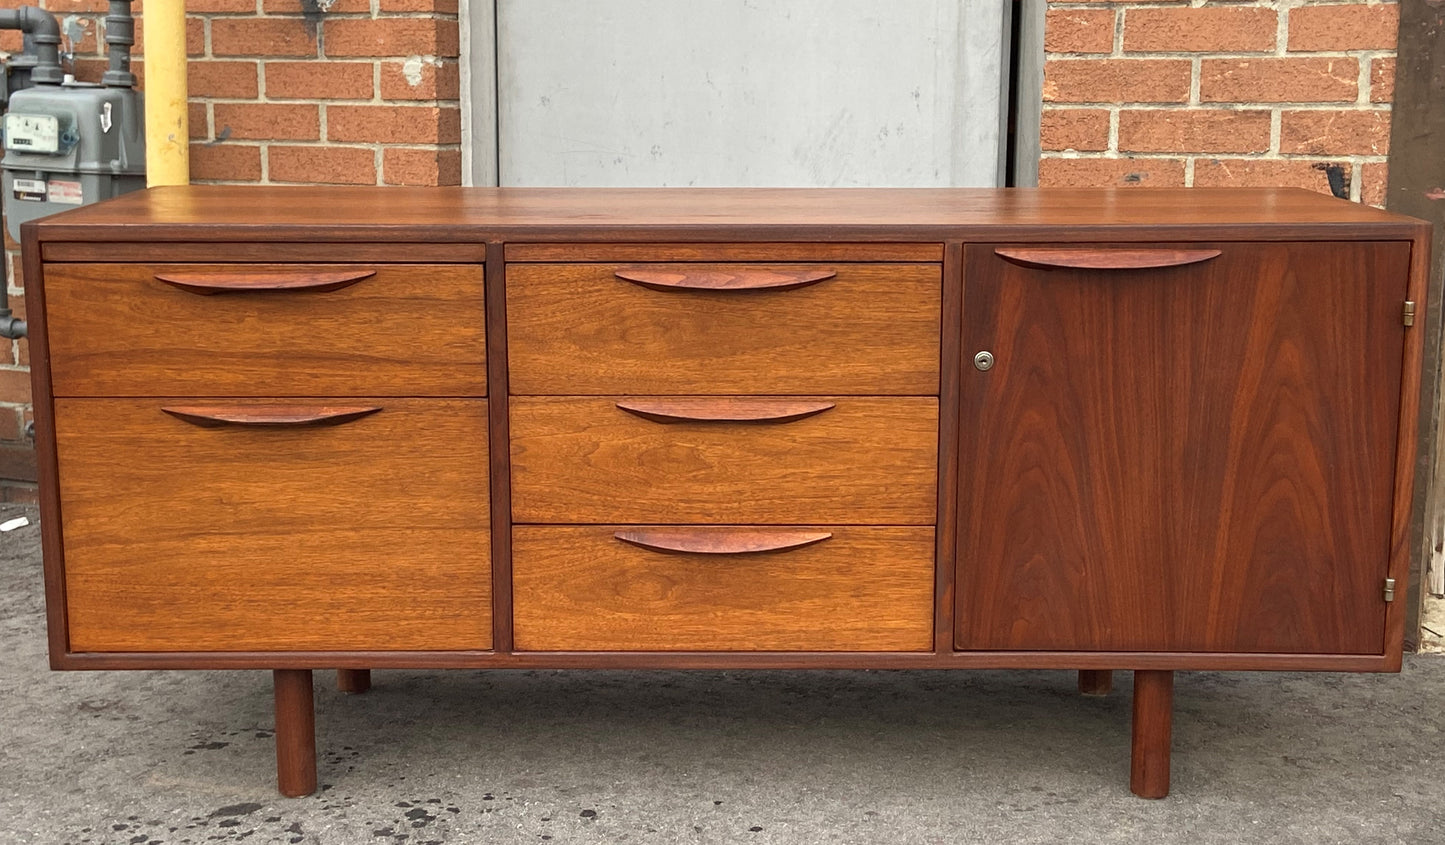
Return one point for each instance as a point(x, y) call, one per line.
point(1195, 458)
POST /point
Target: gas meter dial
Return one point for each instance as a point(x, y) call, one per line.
point(37, 133)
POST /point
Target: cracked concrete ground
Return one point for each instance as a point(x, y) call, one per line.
point(703, 757)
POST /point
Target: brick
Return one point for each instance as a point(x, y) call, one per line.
point(1105, 172)
point(1079, 31)
point(195, 36)
point(10, 426)
point(89, 30)
point(390, 37)
point(394, 124)
point(433, 81)
point(444, 7)
point(236, 80)
point(401, 166)
point(1085, 130)
point(1193, 130)
point(1116, 81)
point(297, 7)
point(196, 121)
point(268, 121)
point(1351, 27)
point(12, 41)
point(226, 162)
point(195, 7)
point(1257, 172)
point(7, 359)
point(1233, 29)
point(1279, 80)
point(1382, 80)
point(1374, 183)
point(263, 37)
point(15, 385)
point(20, 492)
point(322, 165)
point(1335, 132)
point(65, 7)
point(320, 80)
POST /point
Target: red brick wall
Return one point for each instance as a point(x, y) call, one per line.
point(1172, 92)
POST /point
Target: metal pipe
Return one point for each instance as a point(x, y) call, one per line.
point(168, 150)
point(119, 36)
point(11, 326)
point(44, 32)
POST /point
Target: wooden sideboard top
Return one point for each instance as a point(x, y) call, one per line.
point(451, 215)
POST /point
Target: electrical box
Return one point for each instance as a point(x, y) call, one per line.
point(69, 145)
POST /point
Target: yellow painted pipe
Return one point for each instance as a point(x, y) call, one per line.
point(168, 148)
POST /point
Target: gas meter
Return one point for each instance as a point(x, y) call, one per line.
point(68, 145)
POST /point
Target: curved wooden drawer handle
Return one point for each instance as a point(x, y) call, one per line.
point(724, 409)
point(1106, 259)
point(285, 416)
point(720, 541)
point(239, 281)
point(685, 277)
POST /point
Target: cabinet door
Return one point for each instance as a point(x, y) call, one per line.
point(1184, 458)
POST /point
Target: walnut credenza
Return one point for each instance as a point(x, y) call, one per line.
point(305, 428)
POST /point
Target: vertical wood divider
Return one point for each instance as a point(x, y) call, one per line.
point(499, 450)
point(948, 386)
point(46, 466)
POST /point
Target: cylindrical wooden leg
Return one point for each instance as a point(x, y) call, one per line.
point(1153, 717)
point(1095, 681)
point(353, 680)
point(295, 733)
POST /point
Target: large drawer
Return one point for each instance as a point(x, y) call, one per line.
point(265, 330)
point(582, 588)
point(262, 534)
point(860, 329)
point(780, 460)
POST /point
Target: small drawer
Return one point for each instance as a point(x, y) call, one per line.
point(722, 588)
point(840, 459)
point(724, 328)
point(265, 329)
point(288, 525)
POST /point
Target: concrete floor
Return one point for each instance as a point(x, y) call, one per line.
point(674, 757)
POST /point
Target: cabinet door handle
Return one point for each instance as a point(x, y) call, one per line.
point(689, 277)
point(239, 281)
point(272, 416)
point(724, 409)
point(1106, 259)
point(720, 541)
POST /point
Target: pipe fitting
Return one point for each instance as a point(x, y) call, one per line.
point(44, 32)
point(119, 36)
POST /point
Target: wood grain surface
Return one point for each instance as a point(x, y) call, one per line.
point(577, 329)
point(1151, 734)
point(1191, 459)
point(368, 536)
point(409, 330)
point(584, 460)
point(578, 588)
point(629, 215)
point(810, 251)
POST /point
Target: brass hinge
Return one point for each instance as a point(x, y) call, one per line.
point(1389, 589)
point(1407, 315)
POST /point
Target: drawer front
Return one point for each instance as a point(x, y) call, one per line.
point(863, 329)
point(265, 330)
point(581, 588)
point(183, 532)
point(724, 459)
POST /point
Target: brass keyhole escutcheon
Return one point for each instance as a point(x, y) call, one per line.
point(983, 361)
